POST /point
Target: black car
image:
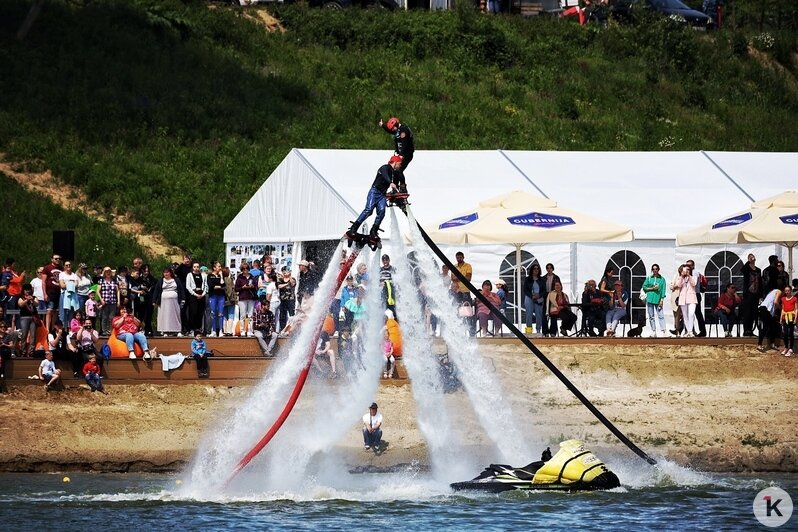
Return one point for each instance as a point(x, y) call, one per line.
point(627, 8)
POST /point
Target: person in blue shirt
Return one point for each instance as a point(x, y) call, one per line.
point(199, 350)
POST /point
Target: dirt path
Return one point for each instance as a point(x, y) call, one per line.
point(72, 198)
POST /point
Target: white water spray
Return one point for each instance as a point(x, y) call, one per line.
point(222, 448)
point(483, 389)
point(421, 363)
point(332, 410)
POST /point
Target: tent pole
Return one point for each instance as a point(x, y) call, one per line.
point(574, 273)
point(518, 291)
point(296, 256)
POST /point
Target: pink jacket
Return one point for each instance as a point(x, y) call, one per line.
point(687, 291)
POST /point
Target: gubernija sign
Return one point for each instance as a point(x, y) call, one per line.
point(734, 220)
point(541, 219)
point(462, 220)
point(789, 219)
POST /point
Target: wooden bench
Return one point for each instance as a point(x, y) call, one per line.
point(227, 370)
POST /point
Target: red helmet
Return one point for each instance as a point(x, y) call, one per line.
point(395, 159)
point(392, 123)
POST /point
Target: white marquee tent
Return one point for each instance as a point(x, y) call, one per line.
point(313, 194)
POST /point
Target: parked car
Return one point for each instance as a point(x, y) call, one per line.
point(341, 4)
point(628, 8)
point(327, 4)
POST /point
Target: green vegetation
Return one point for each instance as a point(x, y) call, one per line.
point(24, 217)
point(176, 113)
point(654, 441)
point(754, 441)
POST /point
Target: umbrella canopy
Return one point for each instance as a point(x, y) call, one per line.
point(771, 220)
point(519, 218)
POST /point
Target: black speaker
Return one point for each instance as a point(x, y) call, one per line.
point(64, 244)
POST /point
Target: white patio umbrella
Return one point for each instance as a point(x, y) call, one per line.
point(520, 218)
point(771, 220)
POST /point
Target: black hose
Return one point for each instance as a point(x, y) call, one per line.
point(538, 353)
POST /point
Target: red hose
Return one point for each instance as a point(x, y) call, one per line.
point(303, 375)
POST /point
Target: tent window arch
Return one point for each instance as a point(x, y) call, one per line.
point(632, 272)
point(723, 268)
point(507, 273)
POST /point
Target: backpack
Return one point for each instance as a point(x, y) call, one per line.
point(106, 351)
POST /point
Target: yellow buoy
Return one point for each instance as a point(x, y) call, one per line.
point(178, 482)
point(66, 480)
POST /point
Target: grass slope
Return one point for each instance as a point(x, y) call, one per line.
point(177, 113)
point(28, 219)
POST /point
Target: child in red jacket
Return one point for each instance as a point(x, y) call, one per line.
point(91, 372)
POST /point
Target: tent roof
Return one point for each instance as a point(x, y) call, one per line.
point(314, 194)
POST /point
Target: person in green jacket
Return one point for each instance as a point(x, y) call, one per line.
point(654, 288)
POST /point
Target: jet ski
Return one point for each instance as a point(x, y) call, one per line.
point(573, 468)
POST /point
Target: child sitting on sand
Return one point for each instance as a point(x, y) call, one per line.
point(48, 372)
point(91, 372)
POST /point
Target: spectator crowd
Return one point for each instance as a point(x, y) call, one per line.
point(75, 306)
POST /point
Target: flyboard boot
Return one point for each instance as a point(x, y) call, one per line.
point(353, 236)
point(373, 240)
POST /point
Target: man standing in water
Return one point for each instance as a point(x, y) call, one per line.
point(372, 428)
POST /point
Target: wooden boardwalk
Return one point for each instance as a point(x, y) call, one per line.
point(238, 361)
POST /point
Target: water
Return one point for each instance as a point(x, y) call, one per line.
point(299, 483)
point(401, 501)
point(330, 411)
point(421, 363)
point(228, 440)
point(483, 389)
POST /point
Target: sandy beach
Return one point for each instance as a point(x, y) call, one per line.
point(724, 409)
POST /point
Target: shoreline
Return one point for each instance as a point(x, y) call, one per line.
point(713, 409)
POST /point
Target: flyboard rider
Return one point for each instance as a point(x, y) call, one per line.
point(404, 146)
point(386, 182)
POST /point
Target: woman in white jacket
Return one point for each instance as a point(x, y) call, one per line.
point(687, 298)
point(197, 290)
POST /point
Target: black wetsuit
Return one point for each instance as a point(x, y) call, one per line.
point(385, 176)
point(404, 146)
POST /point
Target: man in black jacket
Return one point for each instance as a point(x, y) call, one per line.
point(770, 275)
point(181, 272)
point(404, 146)
point(385, 181)
point(752, 292)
